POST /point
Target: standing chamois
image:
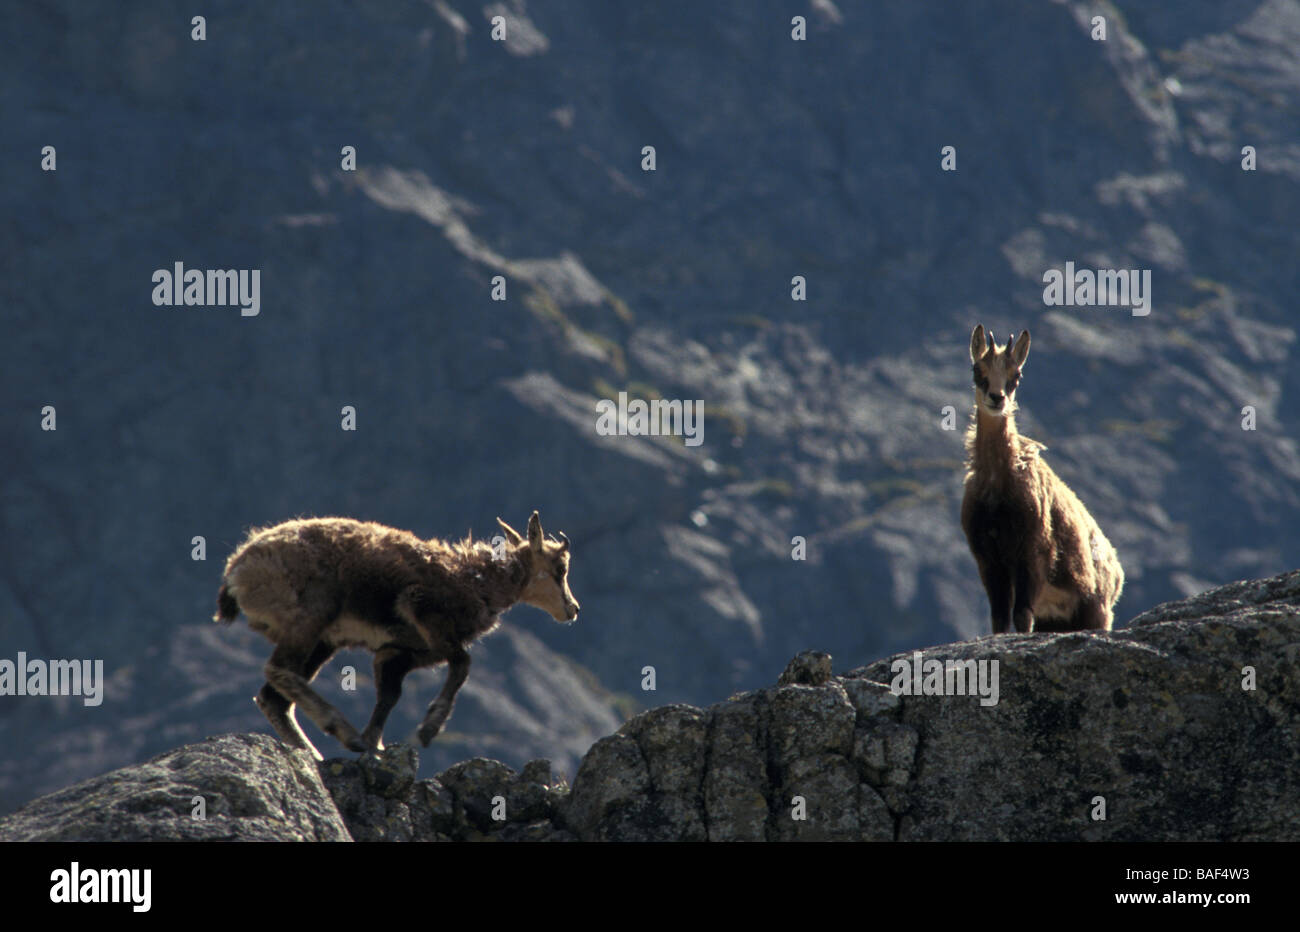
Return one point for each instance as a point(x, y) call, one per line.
point(317, 585)
point(1043, 561)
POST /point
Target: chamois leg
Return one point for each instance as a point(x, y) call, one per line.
point(1092, 616)
point(1026, 593)
point(279, 710)
point(391, 667)
point(997, 583)
point(281, 673)
point(440, 709)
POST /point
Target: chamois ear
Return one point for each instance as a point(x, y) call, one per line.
point(977, 343)
point(536, 539)
point(511, 534)
point(1020, 352)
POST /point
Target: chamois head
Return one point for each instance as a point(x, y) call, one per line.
point(548, 570)
point(997, 372)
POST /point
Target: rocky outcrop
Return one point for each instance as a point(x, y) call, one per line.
point(476, 800)
point(228, 788)
point(1184, 726)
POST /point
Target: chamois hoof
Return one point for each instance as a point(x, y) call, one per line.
point(373, 742)
point(347, 736)
point(428, 732)
point(303, 745)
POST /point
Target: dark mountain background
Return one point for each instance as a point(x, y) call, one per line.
point(522, 158)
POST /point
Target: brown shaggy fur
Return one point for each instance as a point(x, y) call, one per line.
point(1044, 562)
point(315, 586)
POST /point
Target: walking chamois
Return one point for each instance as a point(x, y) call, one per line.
point(317, 585)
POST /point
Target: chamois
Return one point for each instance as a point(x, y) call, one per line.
point(1042, 558)
point(314, 586)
